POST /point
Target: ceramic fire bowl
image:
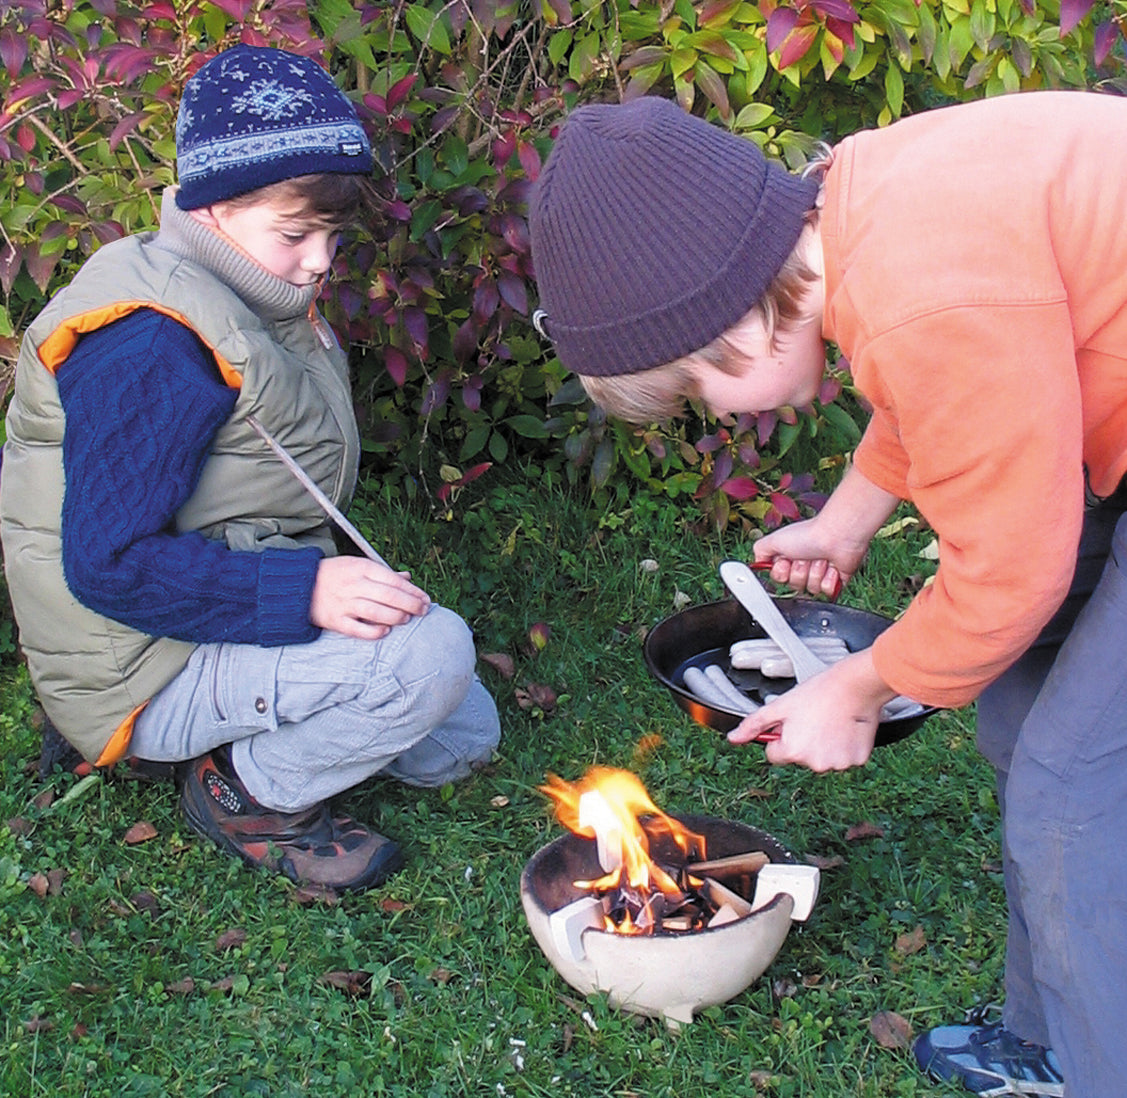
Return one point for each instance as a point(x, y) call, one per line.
point(669, 974)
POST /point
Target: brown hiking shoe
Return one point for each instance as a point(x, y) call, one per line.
point(311, 847)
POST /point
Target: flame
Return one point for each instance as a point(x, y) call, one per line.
point(614, 821)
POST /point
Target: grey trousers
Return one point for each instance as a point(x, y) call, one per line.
point(1055, 728)
point(308, 721)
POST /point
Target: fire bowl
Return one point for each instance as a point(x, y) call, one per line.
point(668, 974)
point(702, 635)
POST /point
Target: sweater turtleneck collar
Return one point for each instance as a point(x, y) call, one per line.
point(271, 297)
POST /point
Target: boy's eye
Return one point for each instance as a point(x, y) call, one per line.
point(293, 238)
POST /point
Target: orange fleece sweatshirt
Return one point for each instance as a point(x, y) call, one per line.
point(976, 280)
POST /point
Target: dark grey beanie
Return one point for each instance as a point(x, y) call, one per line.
point(653, 232)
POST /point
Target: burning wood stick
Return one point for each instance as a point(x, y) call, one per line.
point(736, 865)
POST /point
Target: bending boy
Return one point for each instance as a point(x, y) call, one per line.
point(178, 592)
point(971, 264)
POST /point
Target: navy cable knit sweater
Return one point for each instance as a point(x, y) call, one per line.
point(143, 400)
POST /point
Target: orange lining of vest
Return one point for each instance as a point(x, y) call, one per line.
point(55, 349)
point(114, 751)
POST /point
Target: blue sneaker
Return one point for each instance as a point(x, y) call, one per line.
point(988, 1060)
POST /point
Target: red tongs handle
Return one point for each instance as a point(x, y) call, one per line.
point(767, 565)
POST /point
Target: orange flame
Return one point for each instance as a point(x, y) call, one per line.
point(617, 826)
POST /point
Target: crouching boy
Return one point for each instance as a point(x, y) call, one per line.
point(178, 592)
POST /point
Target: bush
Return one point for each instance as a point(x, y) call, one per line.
point(462, 99)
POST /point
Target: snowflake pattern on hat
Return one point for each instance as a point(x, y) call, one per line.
point(256, 115)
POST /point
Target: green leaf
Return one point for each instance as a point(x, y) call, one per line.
point(894, 89)
point(428, 28)
point(558, 45)
point(754, 115)
point(582, 61)
point(527, 426)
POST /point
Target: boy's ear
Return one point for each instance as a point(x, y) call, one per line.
point(205, 215)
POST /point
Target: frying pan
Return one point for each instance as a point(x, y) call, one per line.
point(702, 635)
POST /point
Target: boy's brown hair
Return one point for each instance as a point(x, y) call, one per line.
point(330, 199)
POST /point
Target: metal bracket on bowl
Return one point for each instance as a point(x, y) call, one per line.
point(799, 882)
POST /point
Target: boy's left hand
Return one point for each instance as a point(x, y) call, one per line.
point(360, 598)
point(828, 722)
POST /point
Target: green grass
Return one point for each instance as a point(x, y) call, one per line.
point(449, 993)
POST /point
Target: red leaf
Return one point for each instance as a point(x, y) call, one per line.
point(740, 488)
point(838, 9)
point(1106, 35)
point(779, 24)
point(395, 361)
point(529, 159)
point(797, 45)
point(1071, 12)
point(13, 51)
point(486, 298)
point(472, 474)
point(398, 91)
point(125, 127)
point(415, 321)
point(513, 292)
point(29, 89)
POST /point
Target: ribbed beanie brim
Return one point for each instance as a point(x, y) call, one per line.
point(653, 232)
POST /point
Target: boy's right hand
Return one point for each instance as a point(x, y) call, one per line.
point(360, 598)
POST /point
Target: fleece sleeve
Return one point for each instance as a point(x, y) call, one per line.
point(143, 400)
point(983, 403)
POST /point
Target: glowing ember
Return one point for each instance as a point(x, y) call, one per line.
point(613, 808)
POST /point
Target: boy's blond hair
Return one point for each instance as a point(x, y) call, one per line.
point(659, 395)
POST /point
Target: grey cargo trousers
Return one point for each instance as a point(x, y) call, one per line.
point(308, 721)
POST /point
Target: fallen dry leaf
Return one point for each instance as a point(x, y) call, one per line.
point(19, 825)
point(141, 832)
point(354, 983)
point(756, 793)
point(181, 987)
point(391, 905)
point(911, 942)
point(784, 988)
point(230, 938)
point(501, 662)
point(78, 1031)
point(442, 976)
point(647, 745)
point(37, 882)
point(890, 1029)
point(314, 894)
point(36, 1024)
point(536, 695)
point(145, 901)
point(44, 799)
point(55, 878)
point(864, 830)
point(118, 908)
point(76, 988)
point(225, 984)
point(825, 861)
point(500, 801)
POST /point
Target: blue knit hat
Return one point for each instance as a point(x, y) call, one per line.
point(653, 232)
point(254, 115)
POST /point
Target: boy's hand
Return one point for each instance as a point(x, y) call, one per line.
point(828, 722)
point(360, 598)
point(809, 557)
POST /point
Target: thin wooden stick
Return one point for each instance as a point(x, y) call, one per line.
point(323, 500)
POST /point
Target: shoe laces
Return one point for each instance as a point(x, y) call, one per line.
point(1013, 1061)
